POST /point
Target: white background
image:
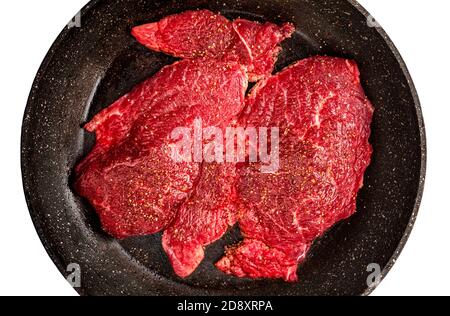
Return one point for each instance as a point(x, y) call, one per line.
point(420, 30)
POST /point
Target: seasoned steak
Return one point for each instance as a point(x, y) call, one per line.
point(137, 187)
point(209, 211)
point(130, 177)
point(324, 119)
point(204, 218)
point(202, 33)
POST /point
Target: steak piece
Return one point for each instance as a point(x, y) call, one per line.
point(203, 218)
point(262, 42)
point(130, 177)
point(202, 33)
point(324, 120)
point(209, 211)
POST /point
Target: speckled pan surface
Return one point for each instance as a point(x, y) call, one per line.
point(90, 66)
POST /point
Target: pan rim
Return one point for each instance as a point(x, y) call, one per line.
point(423, 147)
point(411, 87)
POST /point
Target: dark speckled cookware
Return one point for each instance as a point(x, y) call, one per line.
point(90, 66)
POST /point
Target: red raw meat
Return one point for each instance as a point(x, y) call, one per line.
point(253, 258)
point(324, 119)
point(203, 219)
point(203, 33)
point(138, 189)
point(130, 177)
point(262, 44)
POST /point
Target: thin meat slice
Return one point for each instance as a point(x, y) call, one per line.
point(203, 218)
point(130, 177)
point(254, 259)
point(324, 119)
point(136, 196)
point(202, 33)
point(190, 34)
point(262, 43)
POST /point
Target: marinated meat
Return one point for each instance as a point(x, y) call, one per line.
point(324, 119)
point(137, 187)
point(202, 33)
point(130, 177)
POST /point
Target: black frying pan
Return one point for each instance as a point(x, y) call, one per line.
point(90, 66)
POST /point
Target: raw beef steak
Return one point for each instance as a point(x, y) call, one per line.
point(202, 33)
point(130, 177)
point(137, 188)
point(203, 218)
point(209, 211)
point(324, 119)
